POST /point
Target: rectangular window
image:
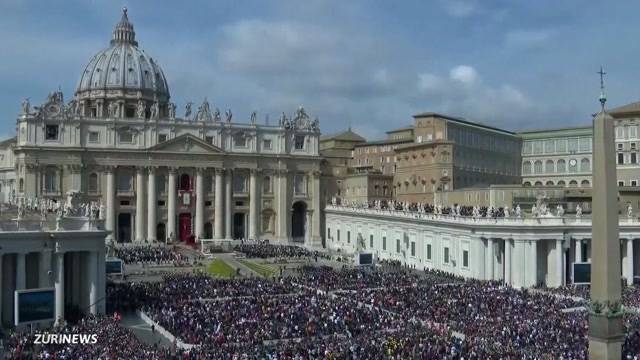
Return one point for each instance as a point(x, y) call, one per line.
point(620, 158)
point(239, 140)
point(465, 258)
point(619, 132)
point(162, 138)
point(549, 146)
point(328, 233)
point(428, 251)
point(338, 234)
point(266, 144)
point(126, 137)
point(94, 137)
point(384, 243)
point(621, 183)
point(634, 182)
point(371, 241)
point(633, 158)
point(124, 182)
point(398, 246)
point(446, 255)
point(633, 132)
point(585, 144)
point(573, 145)
point(620, 146)
point(561, 145)
point(209, 139)
point(299, 142)
point(348, 237)
point(413, 248)
point(51, 132)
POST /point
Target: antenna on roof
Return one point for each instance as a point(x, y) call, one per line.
point(603, 97)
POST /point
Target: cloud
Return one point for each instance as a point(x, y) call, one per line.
point(527, 38)
point(464, 74)
point(459, 8)
point(464, 93)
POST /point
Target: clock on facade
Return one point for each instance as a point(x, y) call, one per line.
point(573, 162)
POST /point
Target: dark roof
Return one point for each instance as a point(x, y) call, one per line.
point(462, 121)
point(410, 127)
point(634, 107)
point(346, 135)
point(8, 141)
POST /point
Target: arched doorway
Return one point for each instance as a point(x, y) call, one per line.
point(124, 227)
point(299, 221)
point(161, 232)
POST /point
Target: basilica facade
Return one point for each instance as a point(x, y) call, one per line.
point(161, 176)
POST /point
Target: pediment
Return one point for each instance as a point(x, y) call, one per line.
point(187, 143)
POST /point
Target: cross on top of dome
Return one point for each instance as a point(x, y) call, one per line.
point(124, 30)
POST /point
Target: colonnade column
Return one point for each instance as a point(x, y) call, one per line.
point(629, 274)
point(316, 240)
point(507, 262)
point(171, 205)
point(199, 204)
point(152, 206)
point(59, 286)
point(110, 218)
point(228, 203)
point(21, 271)
point(490, 259)
point(102, 301)
point(219, 202)
point(559, 259)
point(578, 250)
point(43, 268)
point(140, 215)
point(253, 204)
point(93, 283)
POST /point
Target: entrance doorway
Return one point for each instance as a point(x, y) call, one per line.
point(161, 232)
point(124, 227)
point(239, 226)
point(184, 226)
point(299, 222)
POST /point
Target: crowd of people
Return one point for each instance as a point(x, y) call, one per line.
point(149, 254)
point(265, 251)
point(630, 294)
point(321, 312)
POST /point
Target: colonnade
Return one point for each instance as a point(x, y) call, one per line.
point(83, 284)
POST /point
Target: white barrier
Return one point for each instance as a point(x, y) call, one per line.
point(163, 331)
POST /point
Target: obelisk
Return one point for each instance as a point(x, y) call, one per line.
point(605, 311)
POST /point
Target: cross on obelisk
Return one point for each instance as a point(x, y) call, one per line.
point(605, 311)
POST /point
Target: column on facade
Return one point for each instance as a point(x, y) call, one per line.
point(219, 202)
point(44, 265)
point(491, 259)
point(316, 240)
point(92, 281)
point(559, 260)
point(199, 224)
point(283, 206)
point(507, 262)
point(533, 263)
point(59, 286)
point(253, 204)
point(228, 203)
point(140, 215)
point(629, 268)
point(21, 271)
point(152, 206)
point(518, 266)
point(110, 218)
point(101, 271)
point(171, 205)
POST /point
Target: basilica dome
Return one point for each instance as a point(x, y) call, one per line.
point(123, 69)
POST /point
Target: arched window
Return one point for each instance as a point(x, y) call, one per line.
point(526, 167)
point(266, 185)
point(561, 183)
point(549, 167)
point(585, 165)
point(573, 183)
point(93, 183)
point(527, 183)
point(561, 166)
point(549, 183)
point(537, 167)
point(538, 183)
point(585, 183)
point(50, 180)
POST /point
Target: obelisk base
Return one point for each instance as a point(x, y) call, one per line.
point(606, 335)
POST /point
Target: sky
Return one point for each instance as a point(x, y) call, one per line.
point(371, 65)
